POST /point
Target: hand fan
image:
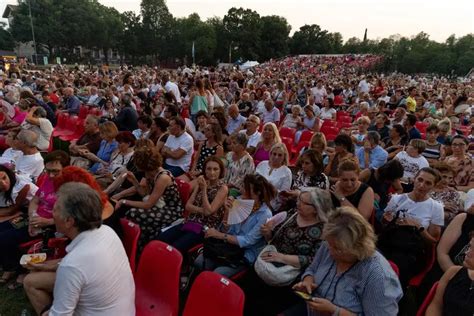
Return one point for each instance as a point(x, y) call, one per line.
point(240, 210)
point(277, 219)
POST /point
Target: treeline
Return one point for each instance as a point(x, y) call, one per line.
point(155, 36)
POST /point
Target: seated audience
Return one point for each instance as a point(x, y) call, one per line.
point(462, 164)
point(412, 161)
point(238, 163)
point(270, 136)
point(178, 148)
point(371, 154)
point(31, 162)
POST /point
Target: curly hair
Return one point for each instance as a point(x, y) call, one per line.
point(315, 157)
point(147, 159)
point(76, 174)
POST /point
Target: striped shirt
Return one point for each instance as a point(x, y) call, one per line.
point(432, 151)
point(369, 288)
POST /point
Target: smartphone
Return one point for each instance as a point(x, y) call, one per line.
point(304, 295)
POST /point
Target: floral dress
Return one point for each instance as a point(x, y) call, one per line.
point(238, 169)
point(204, 154)
point(213, 220)
point(463, 170)
point(167, 209)
point(303, 181)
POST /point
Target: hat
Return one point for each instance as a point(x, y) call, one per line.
point(469, 201)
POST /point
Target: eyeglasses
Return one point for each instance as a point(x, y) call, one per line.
point(458, 144)
point(54, 172)
point(303, 202)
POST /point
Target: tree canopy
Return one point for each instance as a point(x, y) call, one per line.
point(154, 36)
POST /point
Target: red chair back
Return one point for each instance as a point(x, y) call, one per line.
point(184, 189)
point(157, 280)
point(214, 295)
point(427, 301)
point(296, 151)
point(329, 130)
point(288, 143)
point(394, 267)
point(431, 257)
point(131, 234)
point(329, 123)
point(287, 132)
point(306, 136)
point(83, 111)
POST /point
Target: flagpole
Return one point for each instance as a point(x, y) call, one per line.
point(193, 53)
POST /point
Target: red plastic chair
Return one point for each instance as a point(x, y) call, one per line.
point(329, 123)
point(131, 234)
point(78, 132)
point(61, 124)
point(83, 111)
point(340, 114)
point(416, 280)
point(157, 280)
point(184, 189)
point(214, 295)
point(71, 123)
point(287, 132)
point(326, 130)
point(421, 126)
point(345, 119)
point(306, 136)
point(331, 137)
point(296, 151)
point(427, 300)
point(341, 124)
point(288, 143)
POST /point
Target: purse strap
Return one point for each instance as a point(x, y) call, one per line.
point(281, 227)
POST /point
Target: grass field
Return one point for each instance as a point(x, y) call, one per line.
point(13, 302)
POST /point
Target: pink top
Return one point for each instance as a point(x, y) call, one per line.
point(260, 155)
point(47, 198)
point(19, 116)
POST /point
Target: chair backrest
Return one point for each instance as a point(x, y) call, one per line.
point(427, 300)
point(214, 295)
point(157, 280)
point(288, 143)
point(83, 111)
point(131, 234)
point(306, 136)
point(328, 130)
point(394, 267)
point(287, 132)
point(184, 190)
point(431, 258)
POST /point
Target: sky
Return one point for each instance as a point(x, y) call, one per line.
point(382, 18)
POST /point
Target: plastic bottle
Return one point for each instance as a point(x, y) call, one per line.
point(35, 231)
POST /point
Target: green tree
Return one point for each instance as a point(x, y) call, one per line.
point(310, 39)
point(157, 33)
point(129, 44)
point(243, 28)
point(6, 39)
point(274, 37)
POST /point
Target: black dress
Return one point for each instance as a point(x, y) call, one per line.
point(458, 297)
point(354, 198)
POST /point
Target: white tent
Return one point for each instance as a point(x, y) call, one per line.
point(249, 64)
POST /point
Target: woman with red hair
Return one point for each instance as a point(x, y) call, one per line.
point(76, 174)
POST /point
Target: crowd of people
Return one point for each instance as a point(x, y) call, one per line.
point(352, 180)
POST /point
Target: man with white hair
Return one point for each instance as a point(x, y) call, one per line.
point(31, 163)
point(71, 103)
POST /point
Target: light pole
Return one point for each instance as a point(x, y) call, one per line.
point(33, 32)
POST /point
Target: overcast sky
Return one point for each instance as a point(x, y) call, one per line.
point(382, 18)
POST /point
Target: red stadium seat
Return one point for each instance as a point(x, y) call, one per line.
point(394, 267)
point(345, 119)
point(83, 111)
point(288, 143)
point(131, 234)
point(287, 132)
point(427, 300)
point(79, 130)
point(328, 130)
point(214, 295)
point(306, 136)
point(157, 280)
point(296, 151)
point(62, 124)
point(431, 257)
point(329, 123)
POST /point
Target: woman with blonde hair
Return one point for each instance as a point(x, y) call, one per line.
point(270, 136)
point(344, 287)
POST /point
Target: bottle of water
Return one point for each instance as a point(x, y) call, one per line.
point(35, 231)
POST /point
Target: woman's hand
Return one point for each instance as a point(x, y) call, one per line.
point(322, 305)
point(266, 229)
point(130, 177)
point(202, 183)
point(408, 221)
point(229, 203)
point(273, 256)
point(212, 232)
point(336, 191)
point(119, 204)
point(307, 285)
point(39, 222)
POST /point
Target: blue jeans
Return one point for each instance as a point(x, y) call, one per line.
point(175, 171)
point(10, 239)
point(208, 265)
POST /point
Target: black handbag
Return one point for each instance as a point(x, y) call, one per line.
point(222, 253)
point(396, 239)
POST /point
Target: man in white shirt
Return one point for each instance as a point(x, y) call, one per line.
point(252, 124)
point(178, 149)
point(94, 278)
point(319, 93)
point(363, 86)
point(270, 114)
point(31, 163)
point(171, 87)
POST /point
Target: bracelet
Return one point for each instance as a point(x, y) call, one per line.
point(337, 311)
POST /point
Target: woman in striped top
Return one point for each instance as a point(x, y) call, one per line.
point(348, 275)
point(432, 152)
